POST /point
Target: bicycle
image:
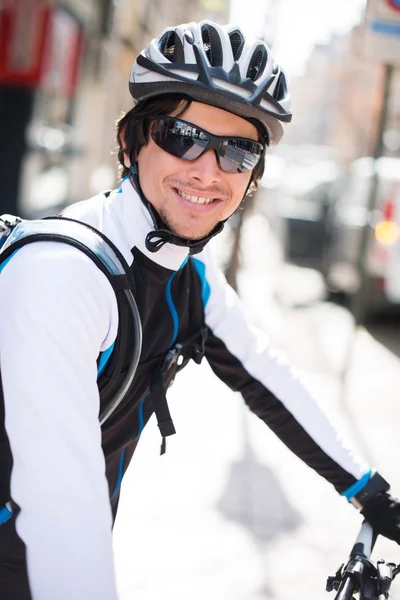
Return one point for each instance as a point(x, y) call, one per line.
point(360, 575)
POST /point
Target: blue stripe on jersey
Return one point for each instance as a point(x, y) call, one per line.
point(171, 305)
point(205, 286)
point(357, 486)
point(5, 515)
point(121, 461)
point(120, 473)
point(104, 356)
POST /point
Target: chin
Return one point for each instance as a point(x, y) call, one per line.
point(187, 231)
point(190, 234)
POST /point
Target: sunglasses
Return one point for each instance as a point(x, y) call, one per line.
point(187, 141)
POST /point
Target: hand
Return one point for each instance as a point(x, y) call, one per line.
point(383, 513)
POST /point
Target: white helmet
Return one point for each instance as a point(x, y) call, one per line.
point(219, 66)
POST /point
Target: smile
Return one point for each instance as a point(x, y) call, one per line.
point(195, 199)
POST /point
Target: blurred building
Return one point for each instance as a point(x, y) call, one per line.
point(337, 100)
point(66, 84)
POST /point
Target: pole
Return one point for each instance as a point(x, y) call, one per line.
point(16, 107)
point(358, 304)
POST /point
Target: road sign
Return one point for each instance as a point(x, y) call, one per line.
point(381, 35)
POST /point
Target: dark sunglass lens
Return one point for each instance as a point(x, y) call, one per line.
point(239, 156)
point(179, 138)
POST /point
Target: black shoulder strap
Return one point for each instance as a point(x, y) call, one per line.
point(16, 233)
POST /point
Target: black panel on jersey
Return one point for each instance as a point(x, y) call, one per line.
point(273, 412)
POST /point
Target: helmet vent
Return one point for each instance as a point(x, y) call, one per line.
point(171, 47)
point(257, 63)
point(281, 88)
point(212, 45)
point(237, 43)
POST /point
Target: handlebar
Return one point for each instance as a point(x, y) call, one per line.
point(360, 575)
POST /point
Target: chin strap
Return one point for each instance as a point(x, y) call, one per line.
point(161, 234)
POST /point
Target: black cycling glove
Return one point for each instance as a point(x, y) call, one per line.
point(378, 507)
point(383, 514)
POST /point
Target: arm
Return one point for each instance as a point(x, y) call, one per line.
point(242, 358)
point(57, 312)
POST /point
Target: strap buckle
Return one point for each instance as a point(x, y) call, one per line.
point(7, 223)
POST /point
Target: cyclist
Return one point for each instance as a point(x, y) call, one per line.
point(208, 105)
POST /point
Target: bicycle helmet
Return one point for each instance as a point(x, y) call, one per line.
point(216, 65)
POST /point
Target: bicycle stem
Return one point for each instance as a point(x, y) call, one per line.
point(360, 575)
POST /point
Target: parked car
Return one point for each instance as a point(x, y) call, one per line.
point(349, 216)
point(309, 192)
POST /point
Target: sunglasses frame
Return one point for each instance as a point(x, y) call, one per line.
point(214, 142)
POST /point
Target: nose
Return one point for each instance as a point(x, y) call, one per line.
point(205, 169)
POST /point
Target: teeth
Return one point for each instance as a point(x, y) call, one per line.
point(195, 199)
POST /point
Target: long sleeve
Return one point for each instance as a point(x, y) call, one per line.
point(57, 312)
point(241, 356)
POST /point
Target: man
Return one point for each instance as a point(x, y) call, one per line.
point(208, 105)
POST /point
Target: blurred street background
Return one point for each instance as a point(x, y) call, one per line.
point(228, 513)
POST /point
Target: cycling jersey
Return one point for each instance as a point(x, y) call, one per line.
point(58, 313)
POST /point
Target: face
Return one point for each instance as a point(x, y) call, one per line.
point(169, 182)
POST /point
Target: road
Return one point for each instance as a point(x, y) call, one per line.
point(229, 513)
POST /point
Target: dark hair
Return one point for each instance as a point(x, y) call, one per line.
point(133, 129)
